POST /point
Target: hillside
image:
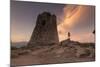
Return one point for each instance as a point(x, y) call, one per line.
point(66, 51)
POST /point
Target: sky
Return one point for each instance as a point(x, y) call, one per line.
point(79, 20)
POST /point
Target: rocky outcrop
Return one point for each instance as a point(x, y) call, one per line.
point(45, 31)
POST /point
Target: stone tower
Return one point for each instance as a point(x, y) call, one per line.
point(45, 31)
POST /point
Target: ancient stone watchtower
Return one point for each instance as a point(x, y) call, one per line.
point(45, 31)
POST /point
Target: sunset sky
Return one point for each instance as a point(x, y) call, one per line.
point(79, 20)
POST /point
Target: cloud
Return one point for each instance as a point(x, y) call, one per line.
point(73, 17)
point(70, 14)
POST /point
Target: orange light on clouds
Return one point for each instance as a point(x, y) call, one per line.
point(71, 14)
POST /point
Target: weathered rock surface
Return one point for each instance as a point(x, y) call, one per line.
point(73, 52)
point(45, 31)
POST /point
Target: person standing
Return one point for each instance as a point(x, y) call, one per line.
point(69, 35)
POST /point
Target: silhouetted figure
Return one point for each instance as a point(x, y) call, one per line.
point(69, 35)
point(93, 32)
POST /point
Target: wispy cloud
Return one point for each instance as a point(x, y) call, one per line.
point(72, 15)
